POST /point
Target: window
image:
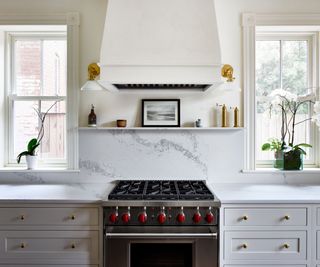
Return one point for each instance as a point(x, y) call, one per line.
point(279, 51)
point(283, 60)
point(38, 64)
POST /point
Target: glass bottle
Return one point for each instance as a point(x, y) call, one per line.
point(92, 118)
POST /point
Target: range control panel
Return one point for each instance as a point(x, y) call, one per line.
point(160, 216)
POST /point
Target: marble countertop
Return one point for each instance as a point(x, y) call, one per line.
point(55, 193)
point(267, 193)
point(98, 193)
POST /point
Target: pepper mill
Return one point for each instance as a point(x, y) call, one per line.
point(92, 118)
point(224, 116)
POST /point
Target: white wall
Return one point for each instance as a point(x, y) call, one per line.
point(114, 106)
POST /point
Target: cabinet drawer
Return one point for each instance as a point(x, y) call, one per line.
point(58, 247)
point(49, 216)
point(266, 217)
point(275, 245)
point(318, 216)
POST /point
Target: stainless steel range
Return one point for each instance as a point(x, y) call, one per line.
point(161, 223)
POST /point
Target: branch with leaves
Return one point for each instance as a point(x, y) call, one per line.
point(34, 143)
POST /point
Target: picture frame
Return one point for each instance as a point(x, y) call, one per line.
point(160, 113)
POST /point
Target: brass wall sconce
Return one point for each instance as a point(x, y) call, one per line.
point(92, 84)
point(227, 72)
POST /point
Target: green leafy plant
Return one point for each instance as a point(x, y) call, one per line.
point(34, 143)
point(274, 144)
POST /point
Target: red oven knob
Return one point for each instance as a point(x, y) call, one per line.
point(125, 217)
point(209, 217)
point(181, 217)
point(142, 218)
point(113, 217)
point(196, 217)
point(162, 218)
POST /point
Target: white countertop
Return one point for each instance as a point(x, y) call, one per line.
point(51, 193)
point(277, 193)
point(96, 193)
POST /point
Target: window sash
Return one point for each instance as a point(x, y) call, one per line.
point(12, 97)
point(311, 64)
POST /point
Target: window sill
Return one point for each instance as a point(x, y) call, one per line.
point(274, 171)
point(44, 170)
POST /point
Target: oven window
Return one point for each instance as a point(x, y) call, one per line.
point(161, 255)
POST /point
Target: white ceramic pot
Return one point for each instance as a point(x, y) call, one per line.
point(32, 162)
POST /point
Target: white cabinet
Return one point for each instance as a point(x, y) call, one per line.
point(265, 235)
point(50, 235)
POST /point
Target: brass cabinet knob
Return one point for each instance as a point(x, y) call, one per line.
point(287, 217)
point(245, 218)
point(286, 246)
point(73, 245)
point(22, 217)
point(73, 217)
point(22, 245)
point(244, 246)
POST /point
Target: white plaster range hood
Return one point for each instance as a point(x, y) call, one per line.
point(160, 44)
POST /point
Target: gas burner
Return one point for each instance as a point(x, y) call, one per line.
point(161, 190)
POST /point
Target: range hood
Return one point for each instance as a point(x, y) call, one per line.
point(160, 44)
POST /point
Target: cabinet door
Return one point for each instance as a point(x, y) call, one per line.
point(49, 216)
point(265, 217)
point(44, 247)
point(265, 245)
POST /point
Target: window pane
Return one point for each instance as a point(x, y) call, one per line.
point(267, 67)
point(54, 67)
point(41, 67)
point(28, 67)
point(27, 126)
point(54, 140)
point(295, 66)
point(294, 75)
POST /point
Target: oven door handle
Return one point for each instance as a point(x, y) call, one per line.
point(180, 235)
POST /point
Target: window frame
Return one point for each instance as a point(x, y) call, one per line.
point(11, 37)
point(311, 38)
point(249, 23)
point(72, 22)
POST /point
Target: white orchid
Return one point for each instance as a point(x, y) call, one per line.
point(316, 116)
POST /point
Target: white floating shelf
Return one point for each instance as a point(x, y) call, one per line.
point(163, 128)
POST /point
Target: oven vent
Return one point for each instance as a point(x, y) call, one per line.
point(162, 86)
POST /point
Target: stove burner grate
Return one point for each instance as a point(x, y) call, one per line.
point(161, 190)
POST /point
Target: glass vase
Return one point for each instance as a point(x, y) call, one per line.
point(278, 160)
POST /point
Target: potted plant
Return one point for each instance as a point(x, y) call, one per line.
point(287, 105)
point(34, 143)
point(274, 144)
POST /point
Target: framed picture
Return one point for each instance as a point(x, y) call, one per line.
point(160, 112)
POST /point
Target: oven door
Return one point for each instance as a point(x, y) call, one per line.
point(152, 246)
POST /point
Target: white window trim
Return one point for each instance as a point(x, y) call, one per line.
point(249, 23)
point(72, 21)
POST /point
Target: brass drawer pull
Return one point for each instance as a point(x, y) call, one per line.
point(244, 246)
point(286, 246)
point(23, 245)
point(73, 217)
point(73, 245)
point(287, 217)
point(245, 218)
point(22, 217)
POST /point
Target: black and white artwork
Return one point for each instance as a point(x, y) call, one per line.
point(161, 112)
